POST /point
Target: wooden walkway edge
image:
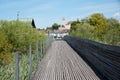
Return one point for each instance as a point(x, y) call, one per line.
point(63, 63)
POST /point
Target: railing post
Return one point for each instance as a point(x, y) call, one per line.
point(30, 61)
point(17, 66)
point(41, 50)
point(47, 42)
point(37, 52)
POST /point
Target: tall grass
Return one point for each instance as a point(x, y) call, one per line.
point(7, 72)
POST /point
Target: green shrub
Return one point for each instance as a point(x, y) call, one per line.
point(17, 36)
point(97, 28)
point(5, 50)
point(20, 35)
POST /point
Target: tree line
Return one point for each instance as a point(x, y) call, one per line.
point(54, 26)
point(97, 27)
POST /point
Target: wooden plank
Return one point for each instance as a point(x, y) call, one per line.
point(61, 62)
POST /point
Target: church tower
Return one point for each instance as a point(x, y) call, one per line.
point(63, 22)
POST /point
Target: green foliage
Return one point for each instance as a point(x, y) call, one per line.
point(55, 26)
point(17, 36)
point(112, 36)
point(8, 71)
point(20, 35)
point(84, 20)
point(5, 50)
point(112, 23)
point(97, 28)
point(50, 28)
point(83, 30)
point(100, 24)
point(74, 25)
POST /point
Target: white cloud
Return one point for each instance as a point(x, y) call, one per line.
point(116, 14)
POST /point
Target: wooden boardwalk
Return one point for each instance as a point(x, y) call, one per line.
point(63, 63)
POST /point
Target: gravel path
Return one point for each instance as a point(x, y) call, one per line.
point(63, 63)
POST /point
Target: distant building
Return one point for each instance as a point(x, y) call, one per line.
point(65, 27)
point(62, 31)
point(29, 21)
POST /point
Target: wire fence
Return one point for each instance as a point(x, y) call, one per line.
point(24, 66)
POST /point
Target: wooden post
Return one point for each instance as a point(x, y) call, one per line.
point(41, 50)
point(17, 66)
point(37, 52)
point(30, 62)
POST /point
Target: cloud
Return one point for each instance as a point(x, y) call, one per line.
point(117, 14)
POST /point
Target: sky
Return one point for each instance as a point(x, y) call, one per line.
point(47, 12)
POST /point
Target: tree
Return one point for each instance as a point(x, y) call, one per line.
point(49, 28)
point(16, 36)
point(112, 22)
point(74, 25)
point(100, 24)
point(85, 20)
point(55, 26)
point(20, 35)
point(84, 30)
point(97, 28)
point(113, 32)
